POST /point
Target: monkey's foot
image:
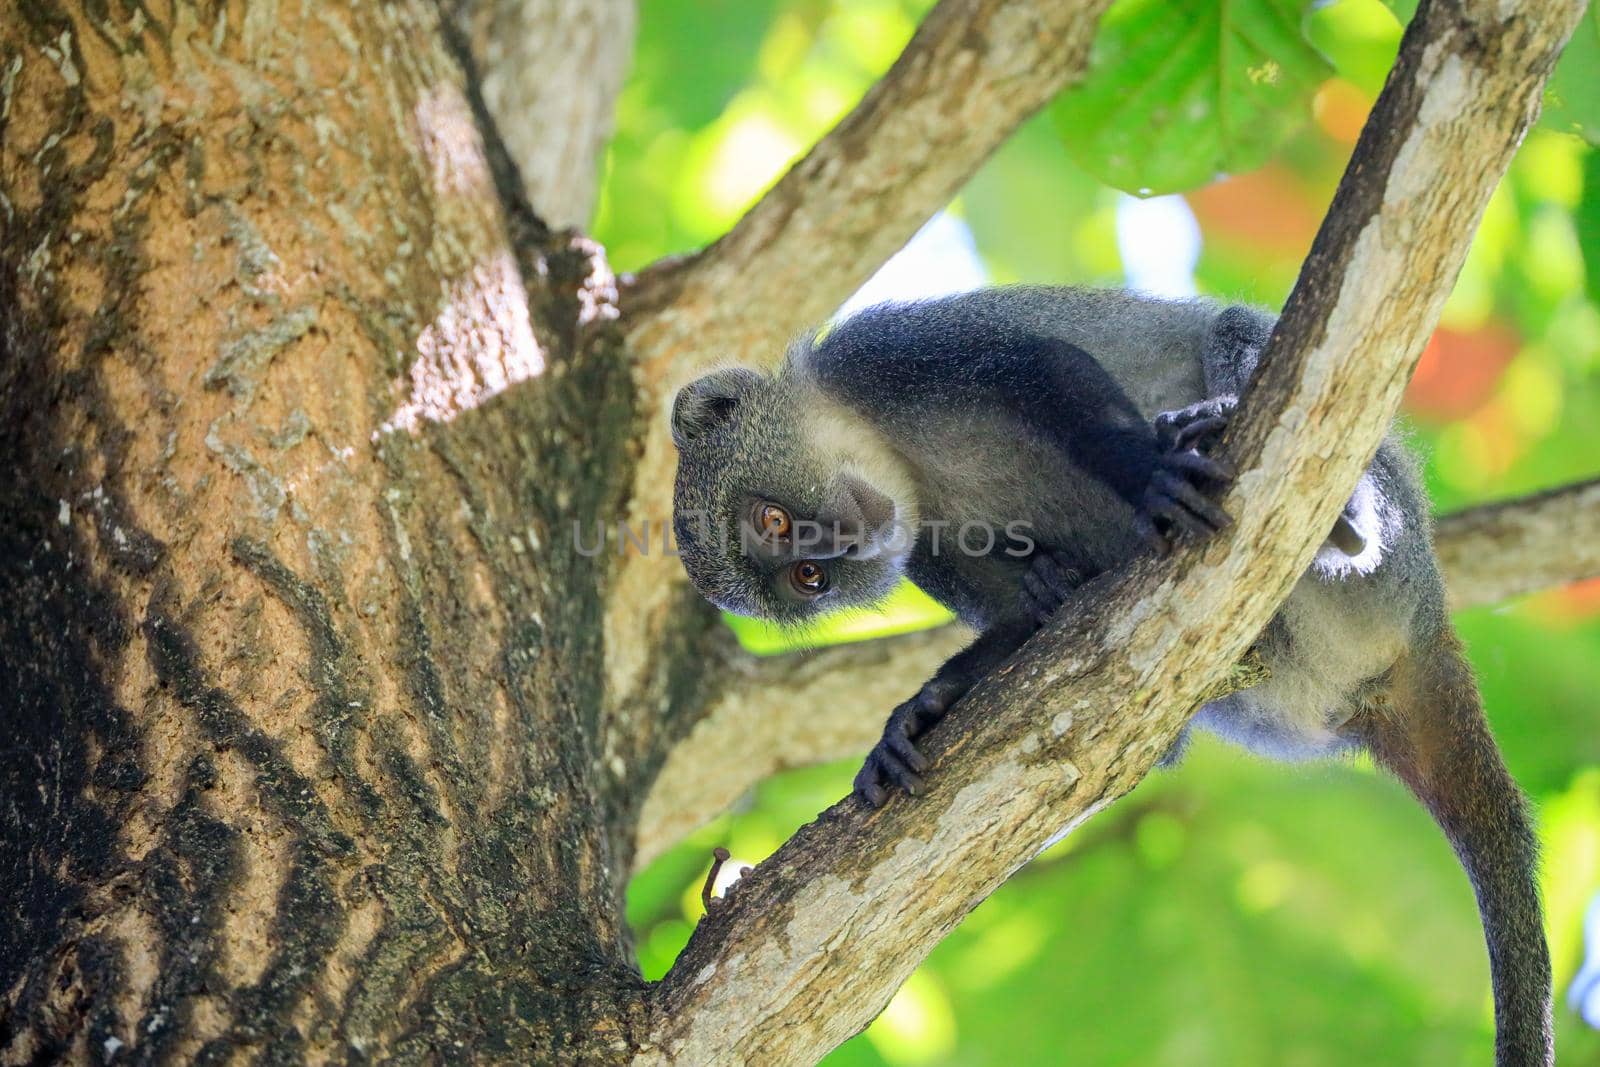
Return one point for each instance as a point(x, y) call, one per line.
point(1198, 426)
point(895, 760)
point(1179, 497)
point(1053, 575)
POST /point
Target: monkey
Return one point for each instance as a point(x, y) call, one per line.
point(1084, 425)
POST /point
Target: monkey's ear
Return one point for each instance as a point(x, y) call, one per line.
point(706, 403)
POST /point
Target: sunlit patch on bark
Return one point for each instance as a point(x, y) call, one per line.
point(479, 344)
point(597, 297)
point(450, 139)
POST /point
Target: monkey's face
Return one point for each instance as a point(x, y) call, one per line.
point(768, 522)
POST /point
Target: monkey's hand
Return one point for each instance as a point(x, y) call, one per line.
point(1052, 576)
point(895, 759)
point(1187, 475)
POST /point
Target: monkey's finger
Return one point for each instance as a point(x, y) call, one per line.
point(1031, 606)
point(1039, 613)
point(1144, 523)
point(872, 794)
point(1033, 582)
point(1193, 499)
point(1059, 578)
point(867, 787)
point(1199, 428)
point(1044, 584)
point(1215, 468)
point(1182, 518)
point(896, 771)
point(907, 751)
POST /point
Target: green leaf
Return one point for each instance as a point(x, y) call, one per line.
point(1572, 97)
point(905, 610)
point(1588, 222)
point(685, 80)
point(1403, 9)
point(1177, 94)
point(1359, 37)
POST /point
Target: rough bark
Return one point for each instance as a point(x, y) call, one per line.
point(301, 747)
point(814, 942)
point(763, 716)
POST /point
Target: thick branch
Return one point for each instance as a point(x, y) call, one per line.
point(973, 72)
point(771, 715)
point(817, 938)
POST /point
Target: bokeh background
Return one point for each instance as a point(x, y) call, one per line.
point(1229, 911)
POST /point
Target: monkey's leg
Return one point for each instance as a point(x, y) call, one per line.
point(1233, 347)
point(1431, 732)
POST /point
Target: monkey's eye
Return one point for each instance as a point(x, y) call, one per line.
point(773, 521)
point(808, 577)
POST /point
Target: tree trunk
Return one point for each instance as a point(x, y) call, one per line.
point(303, 753)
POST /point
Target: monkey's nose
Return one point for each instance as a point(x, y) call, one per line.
point(877, 510)
point(838, 539)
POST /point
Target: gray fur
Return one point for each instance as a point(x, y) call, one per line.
point(1035, 405)
point(979, 461)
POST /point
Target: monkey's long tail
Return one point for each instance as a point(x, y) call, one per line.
point(1431, 732)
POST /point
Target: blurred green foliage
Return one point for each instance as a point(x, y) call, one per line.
point(1178, 93)
point(1230, 911)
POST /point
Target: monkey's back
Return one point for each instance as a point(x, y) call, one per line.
point(1348, 620)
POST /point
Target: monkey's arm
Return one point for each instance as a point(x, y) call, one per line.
point(1169, 479)
point(1052, 575)
point(907, 368)
point(1066, 395)
point(895, 759)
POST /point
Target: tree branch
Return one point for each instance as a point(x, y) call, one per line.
point(817, 939)
point(774, 714)
point(550, 72)
point(1505, 549)
point(972, 73)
